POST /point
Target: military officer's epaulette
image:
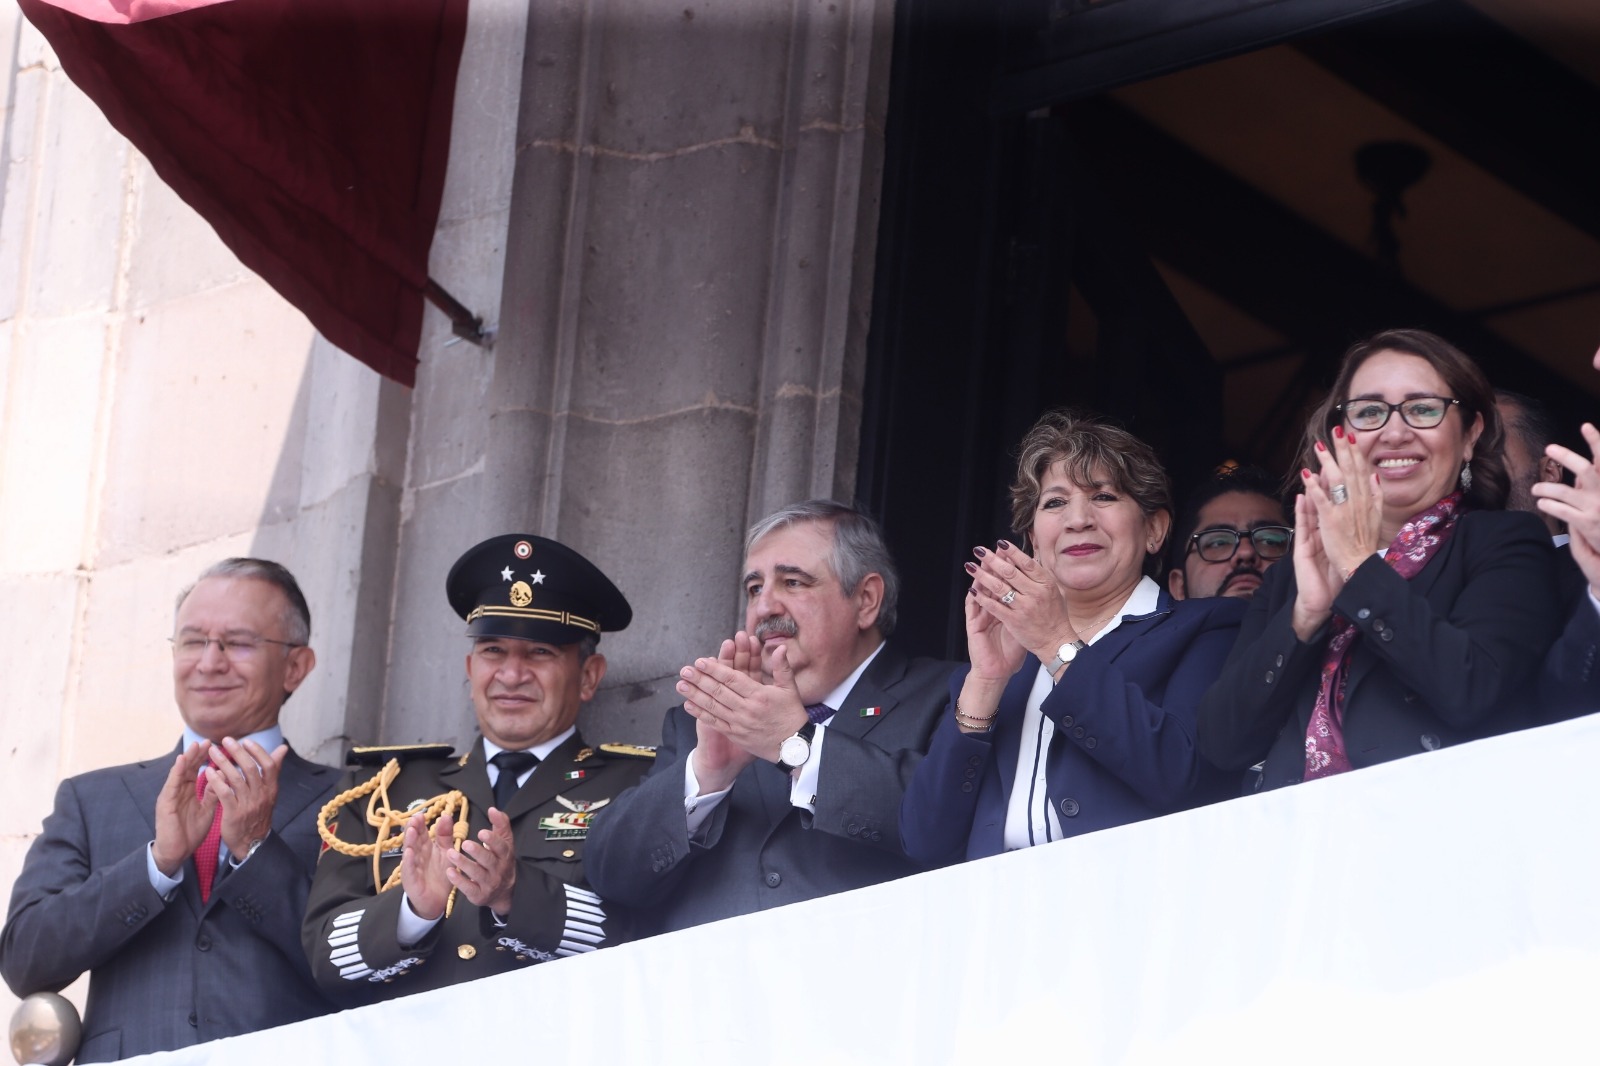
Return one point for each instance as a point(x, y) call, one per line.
point(630, 751)
point(380, 755)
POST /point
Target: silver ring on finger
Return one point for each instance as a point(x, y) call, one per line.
point(1008, 597)
point(1339, 494)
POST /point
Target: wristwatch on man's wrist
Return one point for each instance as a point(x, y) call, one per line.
point(1064, 655)
point(796, 749)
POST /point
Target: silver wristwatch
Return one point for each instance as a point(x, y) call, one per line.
point(796, 749)
point(1064, 655)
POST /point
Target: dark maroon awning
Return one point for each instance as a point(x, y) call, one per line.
point(312, 135)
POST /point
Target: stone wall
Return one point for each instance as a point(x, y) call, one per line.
point(682, 328)
point(666, 214)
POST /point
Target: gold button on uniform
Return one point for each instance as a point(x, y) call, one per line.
point(466, 951)
point(569, 853)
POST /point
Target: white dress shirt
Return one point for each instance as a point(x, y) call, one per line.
point(803, 789)
point(1030, 817)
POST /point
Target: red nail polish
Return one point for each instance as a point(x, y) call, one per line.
point(1338, 431)
point(1320, 448)
point(1305, 473)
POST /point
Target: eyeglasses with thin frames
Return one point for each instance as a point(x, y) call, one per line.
point(235, 647)
point(1221, 544)
point(1419, 412)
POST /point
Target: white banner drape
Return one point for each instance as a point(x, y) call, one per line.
point(1440, 908)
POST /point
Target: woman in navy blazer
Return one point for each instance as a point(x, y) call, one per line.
point(1077, 712)
point(1416, 611)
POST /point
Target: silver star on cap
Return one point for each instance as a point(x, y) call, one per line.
point(538, 578)
point(506, 574)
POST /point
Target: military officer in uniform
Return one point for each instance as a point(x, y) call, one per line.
point(479, 857)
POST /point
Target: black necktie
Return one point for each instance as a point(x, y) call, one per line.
point(512, 765)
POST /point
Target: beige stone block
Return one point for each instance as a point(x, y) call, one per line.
point(50, 444)
point(335, 550)
point(425, 692)
point(468, 258)
point(341, 423)
point(80, 211)
point(38, 631)
point(123, 709)
point(483, 132)
point(25, 89)
point(175, 252)
point(33, 50)
point(210, 390)
point(449, 411)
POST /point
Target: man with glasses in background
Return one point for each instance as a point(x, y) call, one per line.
point(179, 883)
point(1232, 530)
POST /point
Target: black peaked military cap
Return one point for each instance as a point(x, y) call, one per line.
point(533, 588)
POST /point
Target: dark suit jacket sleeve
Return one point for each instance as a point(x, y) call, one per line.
point(65, 917)
point(1570, 683)
point(860, 786)
point(639, 846)
point(940, 802)
point(343, 905)
point(1140, 726)
point(1243, 711)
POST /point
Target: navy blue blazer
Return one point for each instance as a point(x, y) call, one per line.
point(1124, 748)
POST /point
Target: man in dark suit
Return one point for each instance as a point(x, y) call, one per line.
point(179, 883)
point(1569, 684)
point(780, 777)
point(513, 893)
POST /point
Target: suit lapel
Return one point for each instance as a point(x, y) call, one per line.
point(299, 783)
point(874, 688)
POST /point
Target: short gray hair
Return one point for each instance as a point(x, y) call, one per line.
point(296, 620)
point(858, 549)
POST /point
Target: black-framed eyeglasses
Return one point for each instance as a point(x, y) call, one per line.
point(236, 647)
point(1419, 412)
point(1221, 544)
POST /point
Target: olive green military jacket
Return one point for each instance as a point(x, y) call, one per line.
point(350, 933)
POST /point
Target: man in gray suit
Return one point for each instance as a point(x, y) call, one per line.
point(179, 883)
point(780, 777)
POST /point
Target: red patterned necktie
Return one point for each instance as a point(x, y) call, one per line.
point(205, 856)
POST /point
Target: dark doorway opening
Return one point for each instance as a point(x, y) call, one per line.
point(1180, 212)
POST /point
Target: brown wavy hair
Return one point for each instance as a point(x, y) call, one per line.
point(1465, 382)
point(1088, 444)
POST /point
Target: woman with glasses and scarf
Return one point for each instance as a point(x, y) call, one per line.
point(1077, 712)
point(1417, 610)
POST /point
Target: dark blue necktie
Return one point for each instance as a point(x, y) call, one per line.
point(818, 713)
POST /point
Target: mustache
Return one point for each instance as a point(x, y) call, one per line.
point(776, 626)
point(1240, 571)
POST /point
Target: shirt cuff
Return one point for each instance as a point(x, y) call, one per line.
point(697, 808)
point(164, 885)
point(234, 864)
point(412, 927)
point(803, 791)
